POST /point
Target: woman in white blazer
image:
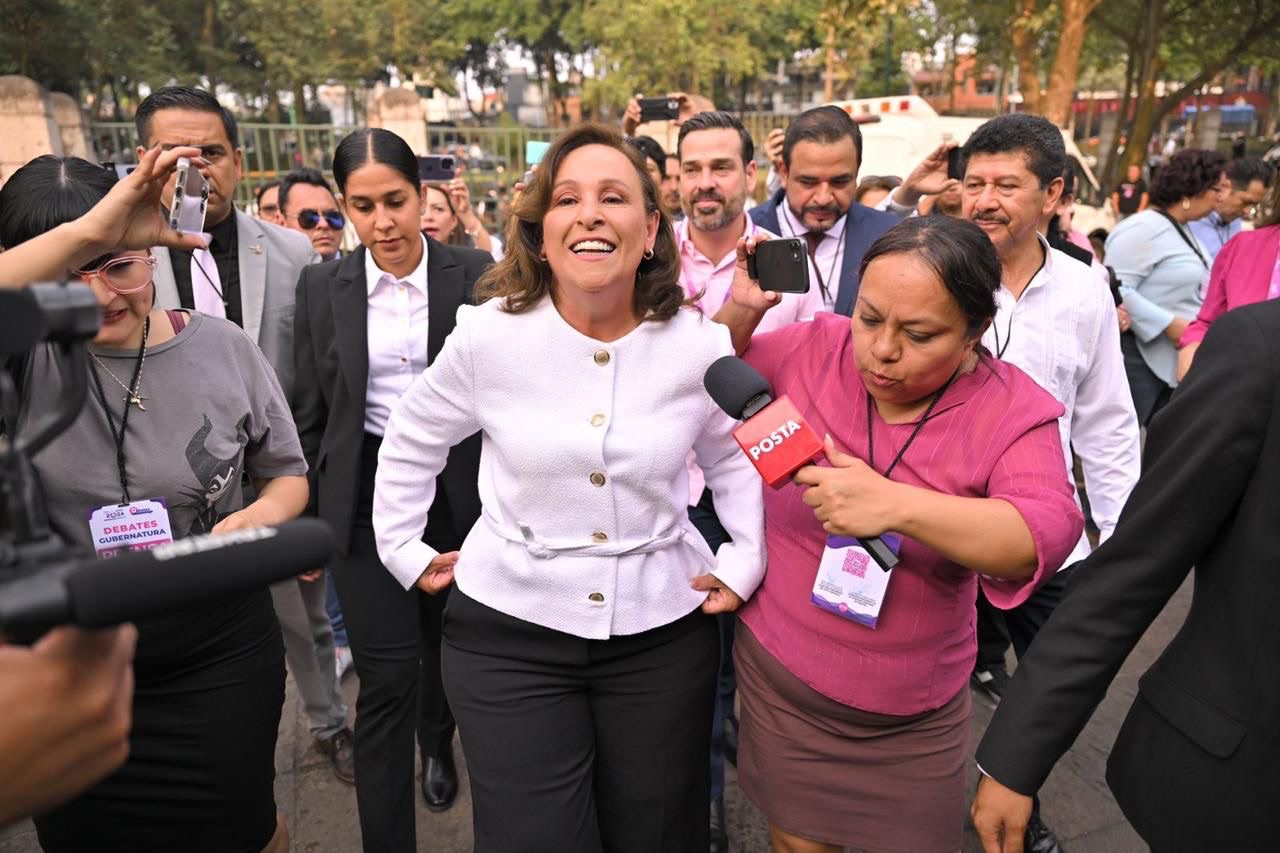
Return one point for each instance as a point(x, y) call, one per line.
point(579, 653)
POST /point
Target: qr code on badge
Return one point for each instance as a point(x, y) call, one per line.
point(855, 563)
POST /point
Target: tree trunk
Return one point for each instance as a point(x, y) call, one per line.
point(1145, 118)
point(299, 103)
point(1025, 51)
point(1273, 108)
point(1157, 111)
point(209, 41)
point(829, 64)
point(1066, 62)
point(1109, 171)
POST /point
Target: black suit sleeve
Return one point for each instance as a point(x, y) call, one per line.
point(1201, 451)
point(310, 411)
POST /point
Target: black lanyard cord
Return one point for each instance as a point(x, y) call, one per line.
point(871, 441)
point(117, 436)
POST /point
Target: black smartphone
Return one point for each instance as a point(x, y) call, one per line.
point(659, 109)
point(437, 168)
point(780, 265)
point(955, 163)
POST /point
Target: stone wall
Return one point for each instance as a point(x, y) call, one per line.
point(400, 111)
point(28, 127)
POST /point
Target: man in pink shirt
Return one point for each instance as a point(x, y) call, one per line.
point(717, 170)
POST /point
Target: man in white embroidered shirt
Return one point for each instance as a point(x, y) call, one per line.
point(717, 168)
point(1057, 321)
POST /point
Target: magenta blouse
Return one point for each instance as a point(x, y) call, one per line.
point(1242, 274)
point(994, 434)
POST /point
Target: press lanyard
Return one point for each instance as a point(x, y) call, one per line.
point(1008, 331)
point(1185, 238)
point(871, 441)
point(117, 436)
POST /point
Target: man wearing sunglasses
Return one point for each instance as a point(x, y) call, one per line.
point(308, 205)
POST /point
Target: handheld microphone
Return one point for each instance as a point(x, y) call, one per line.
point(93, 593)
point(774, 434)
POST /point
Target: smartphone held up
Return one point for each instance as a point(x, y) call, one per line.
point(190, 199)
point(780, 265)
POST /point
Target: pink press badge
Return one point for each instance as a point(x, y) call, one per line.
point(850, 583)
point(136, 526)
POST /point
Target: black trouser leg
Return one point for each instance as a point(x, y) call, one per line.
point(993, 636)
point(384, 627)
point(435, 720)
point(582, 746)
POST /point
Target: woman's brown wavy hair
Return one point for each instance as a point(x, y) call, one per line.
point(523, 278)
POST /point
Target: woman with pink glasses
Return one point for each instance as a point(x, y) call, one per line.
point(180, 408)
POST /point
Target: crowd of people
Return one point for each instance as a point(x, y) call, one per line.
point(549, 541)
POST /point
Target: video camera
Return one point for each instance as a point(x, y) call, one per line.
point(44, 582)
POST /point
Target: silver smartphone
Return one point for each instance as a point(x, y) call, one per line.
point(190, 199)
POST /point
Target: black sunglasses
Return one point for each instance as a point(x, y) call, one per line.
point(309, 219)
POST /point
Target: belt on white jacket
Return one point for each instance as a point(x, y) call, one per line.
point(547, 549)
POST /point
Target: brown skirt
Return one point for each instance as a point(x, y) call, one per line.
point(824, 771)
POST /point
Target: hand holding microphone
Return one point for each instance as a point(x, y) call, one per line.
point(779, 443)
point(848, 498)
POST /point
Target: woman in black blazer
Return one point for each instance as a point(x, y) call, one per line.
point(366, 326)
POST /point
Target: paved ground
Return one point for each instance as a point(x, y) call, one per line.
point(322, 811)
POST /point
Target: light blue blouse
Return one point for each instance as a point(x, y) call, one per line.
point(1161, 277)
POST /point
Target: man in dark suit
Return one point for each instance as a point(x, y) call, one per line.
point(821, 154)
point(394, 633)
point(1195, 765)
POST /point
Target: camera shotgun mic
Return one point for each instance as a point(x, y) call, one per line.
point(93, 593)
point(773, 434)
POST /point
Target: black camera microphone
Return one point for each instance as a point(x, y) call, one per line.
point(94, 593)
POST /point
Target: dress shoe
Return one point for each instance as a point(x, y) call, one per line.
point(342, 754)
point(731, 739)
point(440, 781)
point(719, 835)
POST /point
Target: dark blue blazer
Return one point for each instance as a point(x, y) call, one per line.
point(862, 228)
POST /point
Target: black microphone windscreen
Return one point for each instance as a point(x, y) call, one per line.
point(22, 323)
point(193, 571)
point(733, 383)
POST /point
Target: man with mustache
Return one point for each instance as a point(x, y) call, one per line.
point(821, 154)
point(717, 169)
point(1057, 321)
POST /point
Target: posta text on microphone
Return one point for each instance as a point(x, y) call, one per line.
point(778, 441)
point(773, 434)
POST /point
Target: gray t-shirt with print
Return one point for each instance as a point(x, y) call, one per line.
point(213, 410)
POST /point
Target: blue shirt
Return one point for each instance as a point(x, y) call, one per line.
point(1161, 277)
point(1213, 233)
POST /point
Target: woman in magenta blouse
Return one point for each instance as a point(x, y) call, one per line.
point(1247, 270)
point(853, 736)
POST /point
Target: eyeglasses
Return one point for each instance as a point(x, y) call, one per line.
point(309, 219)
point(126, 274)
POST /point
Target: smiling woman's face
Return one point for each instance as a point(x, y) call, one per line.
point(596, 230)
point(909, 335)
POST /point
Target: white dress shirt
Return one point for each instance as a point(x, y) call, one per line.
point(582, 470)
point(397, 323)
point(828, 258)
point(1064, 334)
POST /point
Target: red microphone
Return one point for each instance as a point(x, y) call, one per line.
point(773, 434)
